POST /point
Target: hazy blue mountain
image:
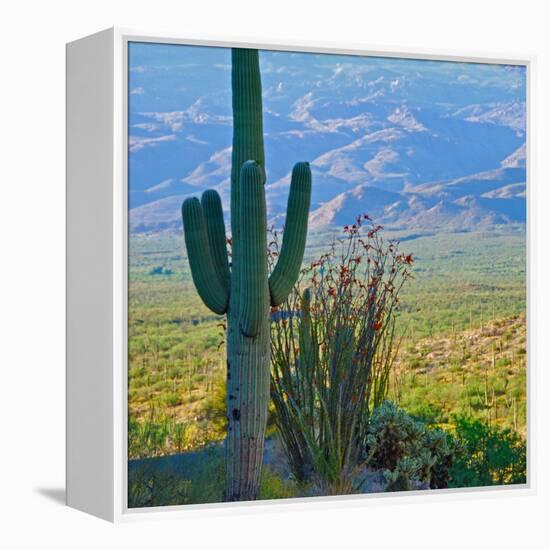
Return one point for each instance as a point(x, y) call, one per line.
point(414, 143)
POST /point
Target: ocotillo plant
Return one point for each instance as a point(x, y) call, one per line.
point(333, 347)
point(243, 290)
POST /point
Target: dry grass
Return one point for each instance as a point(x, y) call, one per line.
point(480, 372)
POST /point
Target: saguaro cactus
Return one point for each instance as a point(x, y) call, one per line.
point(244, 291)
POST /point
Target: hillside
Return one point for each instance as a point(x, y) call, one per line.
point(465, 302)
point(478, 372)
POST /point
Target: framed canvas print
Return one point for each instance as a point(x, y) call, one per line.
point(295, 274)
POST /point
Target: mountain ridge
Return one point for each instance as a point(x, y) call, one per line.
point(415, 142)
point(491, 197)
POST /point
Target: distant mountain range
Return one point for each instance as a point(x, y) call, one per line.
point(416, 144)
point(486, 198)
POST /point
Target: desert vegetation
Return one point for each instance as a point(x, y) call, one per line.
point(276, 363)
point(464, 379)
point(333, 346)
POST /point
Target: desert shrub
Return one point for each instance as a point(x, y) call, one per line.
point(487, 455)
point(160, 434)
point(425, 411)
point(404, 476)
point(214, 407)
point(171, 399)
point(148, 437)
point(392, 434)
point(274, 486)
point(441, 446)
point(411, 454)
point(333, 345)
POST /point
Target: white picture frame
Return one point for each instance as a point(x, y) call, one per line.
point(97, 285)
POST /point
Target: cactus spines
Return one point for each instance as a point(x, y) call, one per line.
point(245, 291)
point(288, 266)
point(211, 290)
point(253, 304)
point(215, 226)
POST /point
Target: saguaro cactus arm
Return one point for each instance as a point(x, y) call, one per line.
point(286, 271)
point(215, 227)
point(252, 270)
point(214, 295)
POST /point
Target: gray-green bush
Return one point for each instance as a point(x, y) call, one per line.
point(411, 454)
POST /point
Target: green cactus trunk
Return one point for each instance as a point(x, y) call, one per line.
point(248, 352)
point(246, 292)
point(248, 343)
